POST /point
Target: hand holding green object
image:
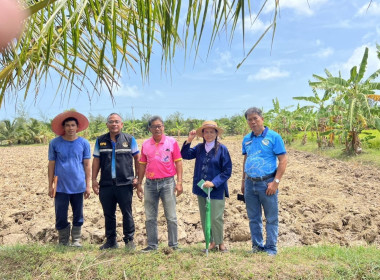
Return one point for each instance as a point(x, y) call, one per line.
point(201, 183)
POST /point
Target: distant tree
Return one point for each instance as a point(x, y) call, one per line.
point(8, 132)
point(97, 126)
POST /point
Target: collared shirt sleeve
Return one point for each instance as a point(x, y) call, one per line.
point(279, 146)
point(244, 151)
point(176, 152)
point(96, 149)
point(134, 147)
point(143, 158)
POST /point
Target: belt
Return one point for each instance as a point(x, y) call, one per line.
point(160, 179)
point(262, 178)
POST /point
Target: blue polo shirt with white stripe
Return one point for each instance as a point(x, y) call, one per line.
point(262, 152)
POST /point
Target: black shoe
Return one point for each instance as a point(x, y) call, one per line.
point(148, 249)
point(176, 248)
point(109, 245)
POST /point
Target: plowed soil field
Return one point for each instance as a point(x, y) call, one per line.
point(321, 201)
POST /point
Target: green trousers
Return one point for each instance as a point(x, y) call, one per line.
point(217, 218)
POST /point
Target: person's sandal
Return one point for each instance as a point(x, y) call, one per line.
point(225, 250)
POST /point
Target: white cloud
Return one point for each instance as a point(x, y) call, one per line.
point(223, 62)
point(300, 7)
point(373, 63)
point(369, 10)
point(126, 91)
point(254, 25)
point(268, 73)
point(325, 52)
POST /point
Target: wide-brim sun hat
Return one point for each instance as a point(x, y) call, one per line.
point(56, 124)
point(209, 124)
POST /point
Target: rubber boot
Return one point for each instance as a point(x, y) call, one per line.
point(110, 244)
point(76, 236)
point(64, 236)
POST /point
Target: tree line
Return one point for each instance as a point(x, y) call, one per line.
point(24, 130)
point(347, 108)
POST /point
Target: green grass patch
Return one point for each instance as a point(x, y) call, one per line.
point(370, 155)
point(309, 262)
point(372, 143)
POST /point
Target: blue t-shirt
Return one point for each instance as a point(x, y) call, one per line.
point(68, 157)
point(134, 151)
point(262, 152)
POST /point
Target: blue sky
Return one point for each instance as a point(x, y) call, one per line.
point(311, 36)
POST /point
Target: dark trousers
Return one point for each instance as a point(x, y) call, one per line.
point(109, 197)
point(61, 203)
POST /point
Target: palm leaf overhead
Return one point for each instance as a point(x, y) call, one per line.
point(88, 43)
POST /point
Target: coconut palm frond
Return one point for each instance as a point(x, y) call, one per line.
point(87, 43)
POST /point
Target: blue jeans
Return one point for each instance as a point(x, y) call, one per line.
point(61, 203)
point(153, 191)
point(255, 198)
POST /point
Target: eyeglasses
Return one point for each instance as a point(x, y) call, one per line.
point(114, 122)
point(156, 126)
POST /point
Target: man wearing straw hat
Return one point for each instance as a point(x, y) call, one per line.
point(69, 161)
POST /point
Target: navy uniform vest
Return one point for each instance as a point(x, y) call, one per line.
point(123, 159)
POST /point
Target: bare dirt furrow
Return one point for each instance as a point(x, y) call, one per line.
point(321, 201)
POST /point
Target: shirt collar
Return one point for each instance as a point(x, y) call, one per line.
point(161, 141)
point(263, 134)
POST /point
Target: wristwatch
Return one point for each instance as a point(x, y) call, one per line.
point(277, 181)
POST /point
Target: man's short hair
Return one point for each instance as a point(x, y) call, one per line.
point(253, 110)
point(68, 120)
point(110, 115)
point(153, 119)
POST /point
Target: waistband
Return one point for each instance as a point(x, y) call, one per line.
point(262, 178)
point(160, 179)
point(114, 184)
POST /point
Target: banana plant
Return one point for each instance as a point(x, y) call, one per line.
point(321, 126)
point(354, 93)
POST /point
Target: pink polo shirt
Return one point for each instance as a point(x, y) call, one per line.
point(160, 157)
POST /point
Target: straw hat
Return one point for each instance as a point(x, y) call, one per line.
point(209, 124)
point(56, 124)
